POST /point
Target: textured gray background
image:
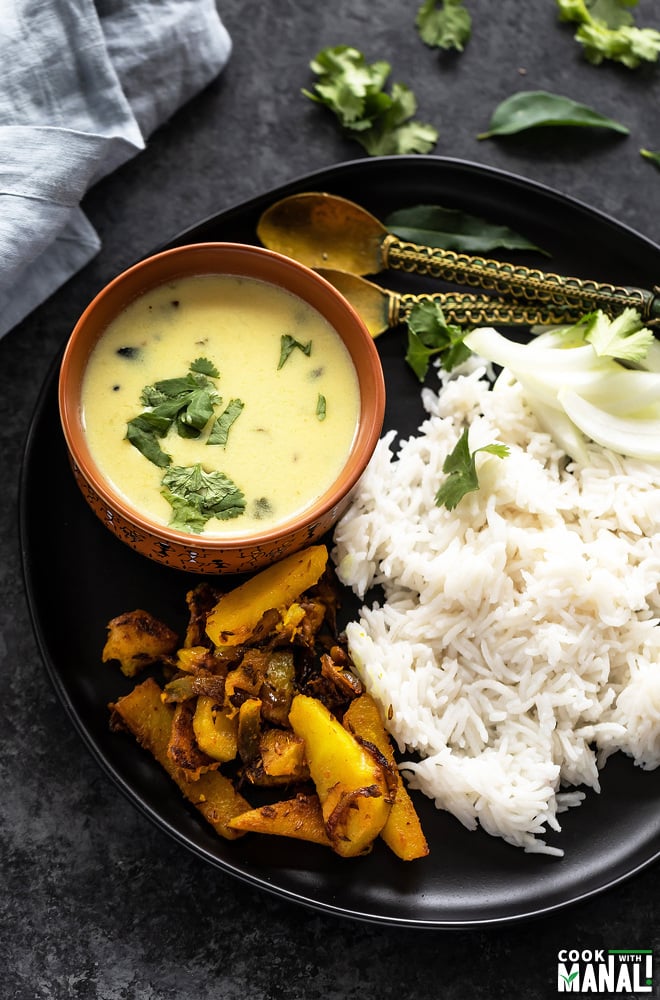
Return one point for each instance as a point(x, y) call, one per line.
point(94, 901)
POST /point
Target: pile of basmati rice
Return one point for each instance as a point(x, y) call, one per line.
point(517, 643)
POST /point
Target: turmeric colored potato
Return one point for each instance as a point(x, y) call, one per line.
point(351, 783)
point(300, 817)
point(149, 719)
point(215, 729)
point(137, 639)
point(237, 613)
point(402, 832)
point(281, 760)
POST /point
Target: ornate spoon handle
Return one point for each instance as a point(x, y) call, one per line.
point(476, 310)
point(504, 278)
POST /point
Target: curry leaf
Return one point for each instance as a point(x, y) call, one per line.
point(452, 229)
point(606, 30)
point(538, 108)
point(444, 24)
point(354, 91)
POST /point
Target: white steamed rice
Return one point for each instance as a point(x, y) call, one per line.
point(517, 644)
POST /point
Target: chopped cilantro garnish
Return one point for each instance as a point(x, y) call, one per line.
point(321, 407)
point(429, 334)
point(461, 469)
point(196, 495)
point(185, 402)
point(288, 345)
point(354, 91)
point(220, 430)
point(444, 24)
point(624, 338)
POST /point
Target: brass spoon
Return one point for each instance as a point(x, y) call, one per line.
point(324, 230)
point(380, 308)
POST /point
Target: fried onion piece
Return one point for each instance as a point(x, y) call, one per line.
point(336, 686)
point(200, 600)
point(278, 686)
point(216, 729)
point(149, 719)
point(186, 686)
point(136, 639)
point(182, 748)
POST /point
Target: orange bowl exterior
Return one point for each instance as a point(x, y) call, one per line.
point(200, 553)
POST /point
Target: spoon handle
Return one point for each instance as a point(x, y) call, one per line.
point(504, 278)
point(476, 310)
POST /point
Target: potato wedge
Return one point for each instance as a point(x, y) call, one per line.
point(237, 613)
point(149, 719)
point(136, 639)
point(351, 784)
point(402, 832)
point(300, 818)
point(281, 760)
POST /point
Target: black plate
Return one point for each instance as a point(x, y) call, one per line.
point(469, 878)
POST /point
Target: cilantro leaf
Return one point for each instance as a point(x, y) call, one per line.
point(624, 337)
point(354, 91)
point(288, 345)
point(220, 430)
point(196, 495)
point(461, 469)
point(198, 408)
point(185, 402)
point(429, 334)
point(204, 367)
point(143, 434)
point(444, 24)
point(321, 407)
point(606, 30)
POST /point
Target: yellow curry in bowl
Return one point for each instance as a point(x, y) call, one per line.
point(220, 404)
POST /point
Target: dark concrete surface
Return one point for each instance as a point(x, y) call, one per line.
point(95, 902)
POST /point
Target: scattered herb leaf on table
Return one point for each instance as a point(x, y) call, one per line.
point(538, 108)
point(353, 90)
point(650, 155)
point(607, 30)
point(444, 24)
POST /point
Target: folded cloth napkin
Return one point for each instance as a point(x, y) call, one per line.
point(83, 84)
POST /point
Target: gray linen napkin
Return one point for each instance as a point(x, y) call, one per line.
point(82, 86)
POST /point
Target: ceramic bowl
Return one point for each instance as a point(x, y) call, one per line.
point(217, 554)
